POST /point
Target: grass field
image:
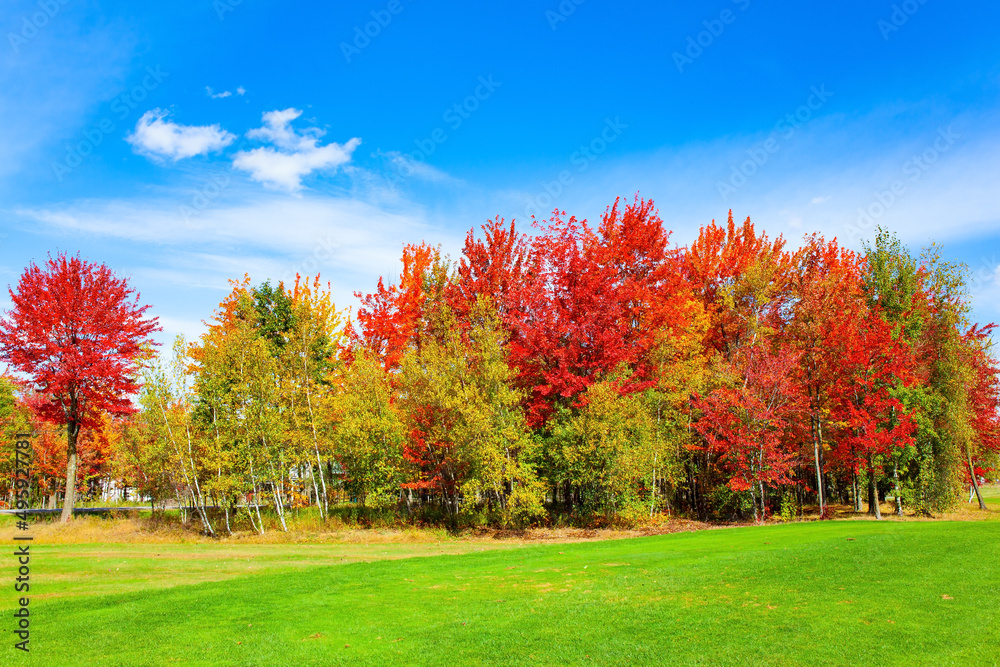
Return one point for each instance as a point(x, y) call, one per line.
point(841, 592)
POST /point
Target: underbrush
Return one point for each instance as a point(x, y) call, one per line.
point(355, 523)
point(306, 527)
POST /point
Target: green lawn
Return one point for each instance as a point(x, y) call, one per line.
point(815, 593)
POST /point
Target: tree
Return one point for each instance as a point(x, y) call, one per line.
point(746, 420)
point(312, 342)
point(744, 282)
point(389, 319)
point(826, 287)
point(874, 425)
point(981, 443)
point(369, 435)
point(573, 325)
point(79, 334)
point(467, 429)
point(15, 418)
point(612, 452)
point(495, 266)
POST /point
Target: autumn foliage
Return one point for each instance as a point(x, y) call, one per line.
point(594, 373)
point(77, 332)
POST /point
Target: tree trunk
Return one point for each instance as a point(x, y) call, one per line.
point(873, 505)
point(763, 508)
point(200, 501)
point(256, 503)
point(895, 479)
point(279, 504)
point(72, 432)
point(819, 467)
point(972, 475)
point(856, 491)
point(652, 503)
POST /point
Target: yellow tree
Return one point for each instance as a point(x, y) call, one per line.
point(369, 433)
point(307, 360)
point(468, 431)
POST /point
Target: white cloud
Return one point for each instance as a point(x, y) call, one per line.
point(174, 326)
point(224, 94)
point(157, 136)
point(296, 154)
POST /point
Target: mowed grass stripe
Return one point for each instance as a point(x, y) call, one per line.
point(830, 593)
point(88, 569)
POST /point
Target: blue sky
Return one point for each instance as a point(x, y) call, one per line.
point(186, 143)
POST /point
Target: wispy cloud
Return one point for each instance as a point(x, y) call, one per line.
point(46, 102)
point(156, 136)
point(403, 166)
point(329, 233)
point(295, 154)
point(224, 94)
point(835, 168)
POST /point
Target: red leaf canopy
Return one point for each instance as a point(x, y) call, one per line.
point(76, 330)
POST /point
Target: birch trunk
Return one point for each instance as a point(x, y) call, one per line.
point(975, 483)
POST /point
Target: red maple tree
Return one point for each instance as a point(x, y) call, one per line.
point(873, 423)
point(389, 319)
point(984, 404)
point(746, 422)
point(78, 333)
point(594, 301)
point(826, 287)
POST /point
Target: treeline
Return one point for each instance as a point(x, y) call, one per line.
point(577, 374)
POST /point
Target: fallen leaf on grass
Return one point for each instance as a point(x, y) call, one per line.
point(947, 597)
point(315, 636)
